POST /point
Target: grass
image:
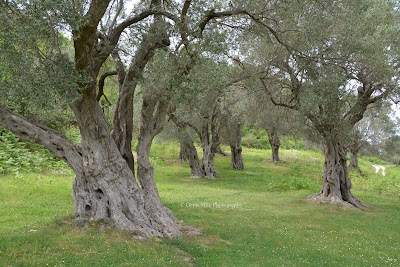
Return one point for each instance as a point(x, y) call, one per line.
point(256, 217)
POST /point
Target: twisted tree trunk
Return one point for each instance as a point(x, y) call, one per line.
point(123, 117)
point(236, 148)
point(354, 160)
point(208, 153)
point(107, 189)
point(354, 148)
point(153, 118)
point(190, 154)
point(336, 182)
point(187, 149)
point(275, 143)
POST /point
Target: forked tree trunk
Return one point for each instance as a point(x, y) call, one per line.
point(275, 143)
point(107, 189)
point(236, 148)
point(336, 181)
point(128, 80)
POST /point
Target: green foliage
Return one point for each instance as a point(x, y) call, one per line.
point(371, 181)
point(255, 139)
point(375, 160)
point(258, 138)
point(17, 156)
point(36, 72)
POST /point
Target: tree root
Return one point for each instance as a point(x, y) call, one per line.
point(334, 200)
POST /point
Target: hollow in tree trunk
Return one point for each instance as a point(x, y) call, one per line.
point(275, 143)
point(336, 182)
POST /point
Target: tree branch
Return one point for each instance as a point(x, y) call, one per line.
point(101, 82)
point(211, 14)
point(285, 105)
point(57, 144)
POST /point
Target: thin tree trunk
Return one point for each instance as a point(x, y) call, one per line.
point(237, 159)
point(153, 118)
point(216, 139)
point(354, 160)
point(123, 117)
point(208, 153)
point(190, 155)
point(354, 148)
point(336, 181)
point(236, 148)
point(275, 143)
point(187, 149)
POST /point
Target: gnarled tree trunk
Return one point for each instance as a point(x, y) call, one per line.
point(354, 160)
point(236, 148)
point(128, 80)
point(336, 182)
point(354, 148)
point(187, 149)
point(107, 188)
point(275, 143)
point(208, 153)
point(190, 154)
point(153, 117)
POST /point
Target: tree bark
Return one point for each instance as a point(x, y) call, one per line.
point(336, 182)
point(184, 150)
point(123, 118)
point(107, 189)
point(57, 144)
point(208, 152)
point(187, 149)
point(275, 143)
point(354, 148)
point(236, 148)
point(153, 118)
point(354, 160)
point(190, 154)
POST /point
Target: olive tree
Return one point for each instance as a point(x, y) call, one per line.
point(333, 76)
point(105, 186)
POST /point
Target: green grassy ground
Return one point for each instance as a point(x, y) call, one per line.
point(256, 217)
